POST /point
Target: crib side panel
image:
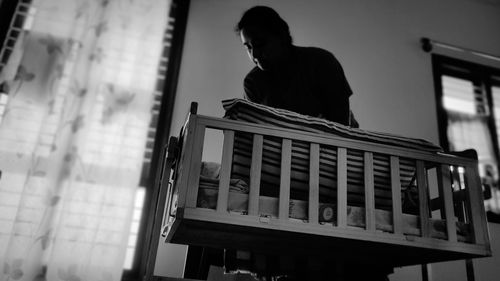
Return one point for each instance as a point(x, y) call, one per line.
point(276, 179)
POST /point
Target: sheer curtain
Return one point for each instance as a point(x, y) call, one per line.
point(77, 94)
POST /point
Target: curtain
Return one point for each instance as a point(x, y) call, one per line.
point(77, 94)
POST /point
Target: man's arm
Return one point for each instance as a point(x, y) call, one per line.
point(334, 89)
point(252, 92)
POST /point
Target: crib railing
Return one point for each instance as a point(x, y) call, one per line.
point(447, 191)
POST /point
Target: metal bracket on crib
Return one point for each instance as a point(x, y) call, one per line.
point(171, 157)
point(159, 199)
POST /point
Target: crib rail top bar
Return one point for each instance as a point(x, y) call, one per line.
point(436, 157)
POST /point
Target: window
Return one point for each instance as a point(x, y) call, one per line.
point(468, 104)
point(16, 17)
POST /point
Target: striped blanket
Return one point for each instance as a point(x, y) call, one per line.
point(243, 110)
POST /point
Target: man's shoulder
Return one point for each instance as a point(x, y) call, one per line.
point(254, 71)
point(313, 51)
point(254, 74)
point(315, 57)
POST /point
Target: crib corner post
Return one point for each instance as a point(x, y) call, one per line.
point(193, 108)
point(476, 206)
point(195, 165)
point(186, 160)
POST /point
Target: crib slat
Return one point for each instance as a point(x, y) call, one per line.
point(475, 204)
point(444, 185)
point(423, 198)
point(397, 210)
point(225, 171)
point(194, 181)
point(458, 185)
point(255, 172)
point(369, 192)
point(342, 187)
point(314, 183)
point(286, 160)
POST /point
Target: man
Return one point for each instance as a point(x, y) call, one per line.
point(305, 80)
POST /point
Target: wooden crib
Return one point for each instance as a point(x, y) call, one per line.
point(448, 222)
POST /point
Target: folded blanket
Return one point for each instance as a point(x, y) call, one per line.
point(244, 110)
point(209, 178)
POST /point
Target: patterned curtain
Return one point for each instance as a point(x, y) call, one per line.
point(75, 99)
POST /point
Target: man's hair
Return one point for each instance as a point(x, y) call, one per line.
point(264, 18)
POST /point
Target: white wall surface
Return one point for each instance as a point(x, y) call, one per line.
point(488, 269)
point(377, 43)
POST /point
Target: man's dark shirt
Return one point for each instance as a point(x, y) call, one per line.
point(312, 84)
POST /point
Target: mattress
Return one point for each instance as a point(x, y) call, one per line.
point(298, 212)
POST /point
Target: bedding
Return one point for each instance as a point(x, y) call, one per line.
point(243, 110)
point(298, 209)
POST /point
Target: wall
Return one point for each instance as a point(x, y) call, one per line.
point(377, 43)
point(487, 269)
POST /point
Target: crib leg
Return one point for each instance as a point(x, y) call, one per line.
point(469, 267)
point(426, 272)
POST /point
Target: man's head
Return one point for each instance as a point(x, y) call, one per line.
point(266, 36)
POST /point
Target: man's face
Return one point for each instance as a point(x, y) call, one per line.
point(266, 50)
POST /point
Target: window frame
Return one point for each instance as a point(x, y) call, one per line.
point(478, 74)
point(11, 17)
point(485, 77)
point(179, 10)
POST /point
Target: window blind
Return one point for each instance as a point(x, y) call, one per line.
point(465, 100)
